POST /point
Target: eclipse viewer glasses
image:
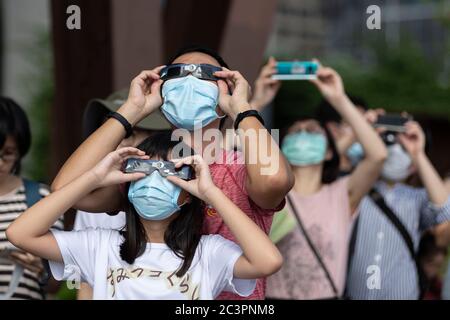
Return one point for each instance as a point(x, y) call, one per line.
point(200, 71)
point(165, 168)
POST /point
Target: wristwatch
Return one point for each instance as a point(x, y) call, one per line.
point(249, 113)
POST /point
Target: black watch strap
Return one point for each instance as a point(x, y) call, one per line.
point(127, 126)
point(249, 113)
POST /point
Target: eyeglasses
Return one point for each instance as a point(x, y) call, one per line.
point(9, 157)
point(164, 168)
point(200, 71)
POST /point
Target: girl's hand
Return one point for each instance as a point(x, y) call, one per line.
point(238, 101)
point(329, 83)
point(109, 170)
point(202, 186)
point(266, 88)
point(145, 91)
point(413, 139)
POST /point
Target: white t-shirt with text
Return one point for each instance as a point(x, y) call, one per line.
point(93, 256)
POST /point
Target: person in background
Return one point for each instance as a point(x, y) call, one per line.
point(350, 150)
point(431, 259)
point(265, 88)
point(392, 220)
point(16, 195)
point(209, 101)
point(95, 115)
point(323, 205)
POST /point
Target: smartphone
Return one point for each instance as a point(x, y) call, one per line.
point(392, 122)
point(296, 70)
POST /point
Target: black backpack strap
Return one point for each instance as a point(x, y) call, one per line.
point(312, 247)
point(379, 201)
point(32, 194)
point(351, 253)
point(352, 244)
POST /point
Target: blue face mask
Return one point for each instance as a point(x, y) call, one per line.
point(190, 102)
point(355, 153)
point(154, 197)
point(304, 148)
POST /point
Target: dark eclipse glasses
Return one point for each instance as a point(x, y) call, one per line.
point(200, 71)
point(164, 168)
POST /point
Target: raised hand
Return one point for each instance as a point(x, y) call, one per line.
point(265, 88)
point(145, 91)
point(109, 171)
point(238, 101)
point(329, 83)
point(202, 186)
point(413, 139)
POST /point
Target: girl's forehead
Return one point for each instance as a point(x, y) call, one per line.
point(10, 143)
point(196, 58)
point(305, 124)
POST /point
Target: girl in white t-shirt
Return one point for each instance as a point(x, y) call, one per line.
point(161, 253)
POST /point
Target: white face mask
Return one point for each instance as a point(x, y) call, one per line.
point(397, 166)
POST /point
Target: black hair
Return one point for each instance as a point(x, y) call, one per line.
point(183, 233)
point(200, 48)
point(14, 122)
point(330, 170)
point(326, 113)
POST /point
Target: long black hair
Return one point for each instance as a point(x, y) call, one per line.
point(14, 123)
point(183, 233)
point(330, 170)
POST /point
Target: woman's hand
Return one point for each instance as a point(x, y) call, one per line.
point(144, 96)
point(330, 84)
point(27, 260)
point(238, 101)
point(372, 115)
point(202, 186)
point(266, 88)
point(413, 139)
point(109, 170)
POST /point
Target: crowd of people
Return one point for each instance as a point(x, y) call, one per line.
point(337, 219)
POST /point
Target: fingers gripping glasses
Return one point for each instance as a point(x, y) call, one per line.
point(164, 168)
point(200, 71)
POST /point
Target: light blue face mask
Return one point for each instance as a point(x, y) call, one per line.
point(154, 197)
point(355, 153)
point(190, 102)
point(304, 148)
